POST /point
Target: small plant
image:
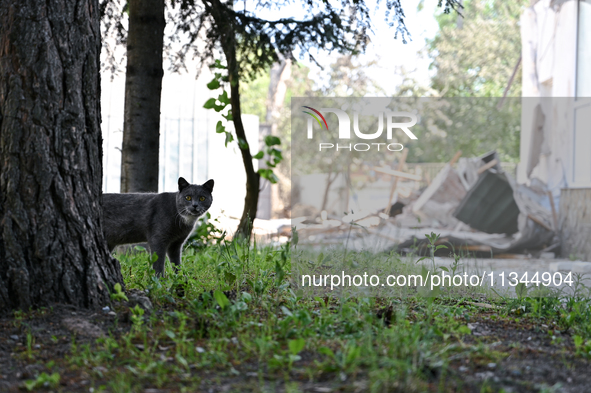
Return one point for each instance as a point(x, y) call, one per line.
point(295, 347)
point(343, 360)
point(432, 238)
point(30, 343)
point(582, 346)
point(44, 380)
point(287, 358)
point(221, 299)
point(137, 317)
point(19, 316)
point(118, 293)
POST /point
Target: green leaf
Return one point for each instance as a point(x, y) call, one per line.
point(118, 293)
point(277, 153)
point(420, 259)
point(140, 248)
point(273, 179)
point(521, 290)
point(578, 340)
point(353, 354)
point(424, 272)
point(30, 384)
point(214, 84)
point(221, 298)
point(209, 104)
point(286, 311)
point(217, 64)
point(137, 310)
point(247, 297)
point(464, 329)
point(268, 174)
point(223, 98)
point(259, 155)
point(219, 127)
point(264, 172)
point(271, 140)
point(229, 138)
point(326, 351)
point(295, 346)
point(230, 278)
point(182, 360)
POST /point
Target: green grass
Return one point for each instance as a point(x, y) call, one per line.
point(241, 325)
point(268, 331)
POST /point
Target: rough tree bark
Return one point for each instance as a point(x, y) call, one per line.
point(228, 44)
point(52, 247)
point(143, 85)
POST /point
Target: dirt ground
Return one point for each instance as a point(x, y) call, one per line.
point(533, 363)
point(53, 330)
point(530, 359)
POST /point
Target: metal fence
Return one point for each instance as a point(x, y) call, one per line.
point(184, 151)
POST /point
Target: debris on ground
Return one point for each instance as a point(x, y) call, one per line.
point(472, 203)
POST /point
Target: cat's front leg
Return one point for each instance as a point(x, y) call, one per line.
point(158, 248)
point(174, 254)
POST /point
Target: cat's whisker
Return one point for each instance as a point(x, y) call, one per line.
point(178, 214)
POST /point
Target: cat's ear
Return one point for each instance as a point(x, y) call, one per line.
point(183, 184)
point(208, 185)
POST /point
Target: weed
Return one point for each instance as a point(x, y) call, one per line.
point(118, 294)
point(44, 380)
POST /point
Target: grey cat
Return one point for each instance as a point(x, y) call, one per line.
point(163, 220)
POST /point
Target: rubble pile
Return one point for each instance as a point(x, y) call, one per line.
point(472, 203)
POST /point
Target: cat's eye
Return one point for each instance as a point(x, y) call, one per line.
point(202, 198)
point(188, 197)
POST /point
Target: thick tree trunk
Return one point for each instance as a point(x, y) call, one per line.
point(52, 247)
point(228, 43)
point(143, 85)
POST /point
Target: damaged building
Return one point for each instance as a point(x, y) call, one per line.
point(480, 204)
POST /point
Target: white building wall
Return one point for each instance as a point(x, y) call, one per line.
point(549, 54)
point(189, 145)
